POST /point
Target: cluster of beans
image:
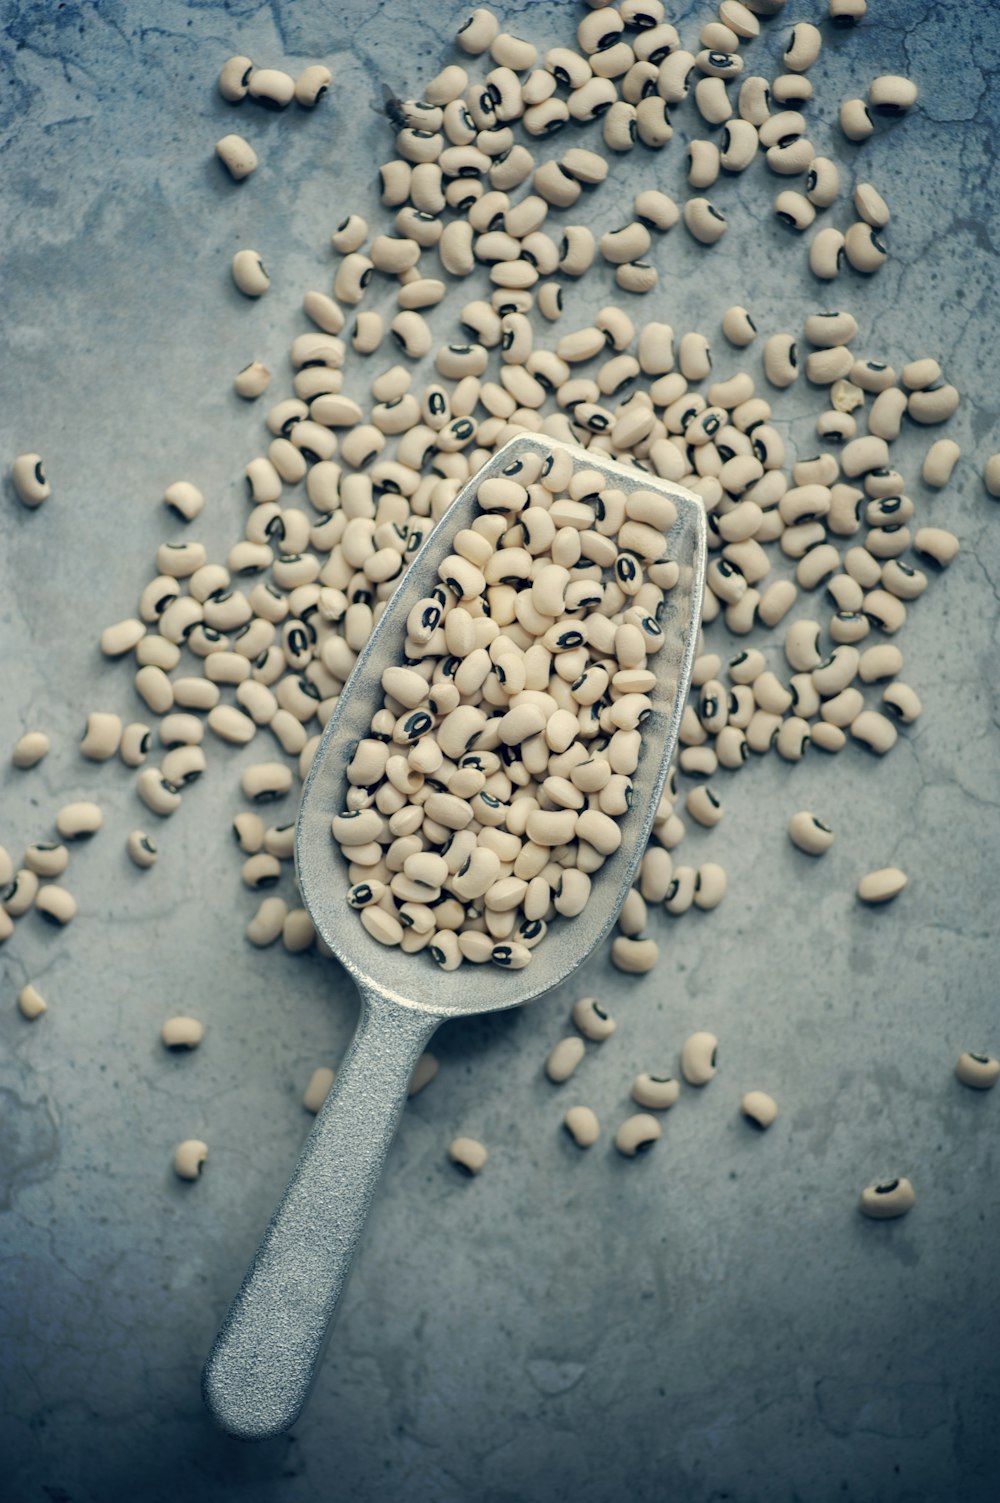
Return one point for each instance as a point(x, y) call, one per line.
point(269, 637)
point(489, 788)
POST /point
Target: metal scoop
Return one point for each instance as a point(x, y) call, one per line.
point(262, 1365)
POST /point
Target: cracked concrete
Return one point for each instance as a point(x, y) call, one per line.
point(714, 1321)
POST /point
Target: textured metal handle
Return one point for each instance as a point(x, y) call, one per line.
point(262, 1364)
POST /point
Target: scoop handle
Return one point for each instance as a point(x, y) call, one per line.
point(264, 1359)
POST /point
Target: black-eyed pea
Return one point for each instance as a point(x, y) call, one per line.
point(582, 1125)
point(874, 731)
point(731, 747)
point(633, 916)
point(828, 738)
point(781, 360)
point(709, 886)
point(424, 1072)
point(122, 637)
point(902, 702)
point(79, 821)
point(349, 236)
point(237, 156)
point(157, 793)
point(793, 738)
point(933, 406)
point(316, 1092)
point(885, 1201)
point(794, 210)
point(28, 476)
point(592, 1021)
point(658, 1093)
point(804, 46)
point(55, 904)
point(759, 1108)
point(979, 1071)
point(634, 956)
point(142, 849)
point(250, 274)
point(698, 1058)
point(866, 252)
point(182, 1032)
point(467, 1155)
point(234, 78)
point(881, 886)
point(703, 221)
point(680, 893)
point(20, 892)
point(271, 88)
point(822, 182)
point(267, 923)
point(46, 858)
point(189, 1158)
point(637, 1134)
point(891, 95)
point(937, 544)
point(32, 1004)
point(311, 84)
point(776, 601)
point(738, 327)
point(826, 253)
point(564, 1058)
point(809, 833)
point(29, 749)
point(855, 121)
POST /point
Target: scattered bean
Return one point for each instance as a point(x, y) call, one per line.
point(582, 1126)
point(881, 886)
point(759, 1108)
point(637, 1134)
point(979, 1071)
point(882, 1202)
point(698, 1058)
point(468, 1155)
point(189, 1157)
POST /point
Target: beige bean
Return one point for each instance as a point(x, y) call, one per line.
point(881, 886)
point(46, 859)
point(979, 1071)
point(564, 1058)
point(698, 1058)
point(809, 833)
point(591, 1019)
point(79, 820)
point(759, 1108)
point(29, 749)
point(582, 1125)
point(468, 1155)
point(55, 904)
point(882, 1202)
point(142, 849)
point(189, 1157)
point(655, 1092)
point(637, 1134)
point(182, 1032)
point(32, 1004)
point(237, 156)
point(634, 956)
point(424, 1072)
point(267, 923)
point(316, 1092)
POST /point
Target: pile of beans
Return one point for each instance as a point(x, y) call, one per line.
point(497, 768)
point(347, 486)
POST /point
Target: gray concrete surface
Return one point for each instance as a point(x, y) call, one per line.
point(713, 1322)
